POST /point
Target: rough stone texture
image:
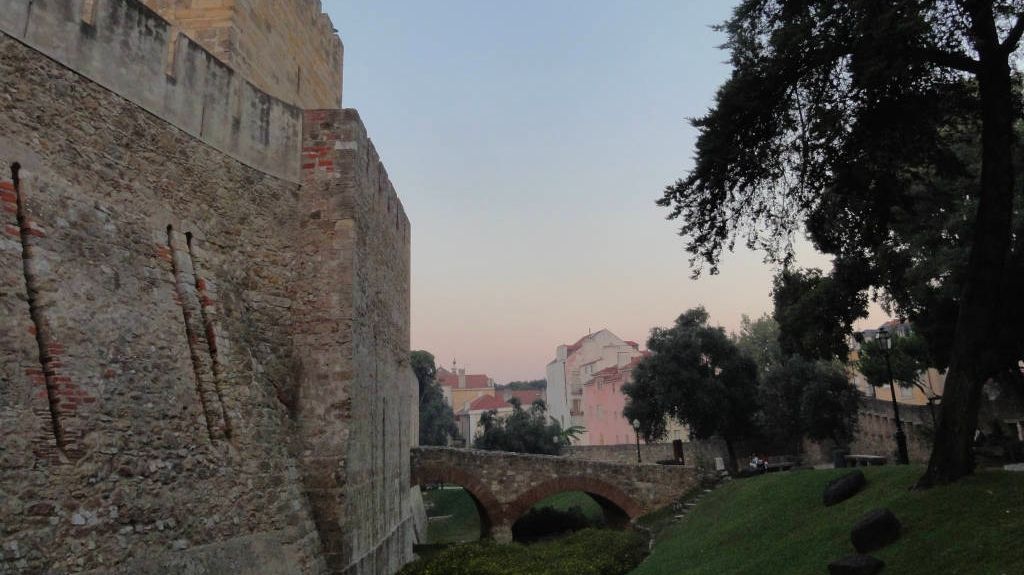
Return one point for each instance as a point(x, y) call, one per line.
point(203, 366)
point(698, 453)
point(856, 565)
point(135, 53)
point(875, 530)
point(842, 488)
point(288, 48)
point(357, 254)
point(506, 485)
point(876, 430)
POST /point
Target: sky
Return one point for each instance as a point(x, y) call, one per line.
point(528, 142)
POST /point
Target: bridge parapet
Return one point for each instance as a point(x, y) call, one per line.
point(505, 485)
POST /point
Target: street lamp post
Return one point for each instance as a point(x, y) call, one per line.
point(885, 341)
point(636, 428)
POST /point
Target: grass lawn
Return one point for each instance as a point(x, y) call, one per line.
point(464, 522)
point(565, 501)
point(776, 524)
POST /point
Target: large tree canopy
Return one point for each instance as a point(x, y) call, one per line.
point(758, 339)
point(797, 398)
point(698, 376)
point(523, 431)
point(852, 119)
point(437, 421)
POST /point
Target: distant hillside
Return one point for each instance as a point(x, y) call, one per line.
point(525, 385)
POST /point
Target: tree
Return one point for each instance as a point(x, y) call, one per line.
point(759, 340)
point(698, 376)
point(522, 431)
point(802, 298)
point(807, 398)
point(425, 368)
point(533, 384)
point(841, 116)
point(437, 421)
point(797, 397)
point(908, 359)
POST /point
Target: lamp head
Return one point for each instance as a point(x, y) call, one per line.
point(884, 339)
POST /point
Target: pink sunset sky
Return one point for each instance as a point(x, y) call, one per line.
point(528, 141)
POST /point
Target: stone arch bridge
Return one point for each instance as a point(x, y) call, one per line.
point(505, 485)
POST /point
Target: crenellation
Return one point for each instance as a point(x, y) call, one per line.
point(136, 53)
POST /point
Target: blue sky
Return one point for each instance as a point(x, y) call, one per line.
point(528, 141)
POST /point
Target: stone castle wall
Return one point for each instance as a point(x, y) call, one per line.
point(128, 249)
point(700, 453)
point(354, 211)
point(133, 52)
point(876, 429)
point(288, 48)
point(203, 363)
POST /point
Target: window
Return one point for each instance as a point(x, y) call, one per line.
point(906, 392)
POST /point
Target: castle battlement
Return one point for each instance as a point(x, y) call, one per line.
point(287, 48)
point(136, 53)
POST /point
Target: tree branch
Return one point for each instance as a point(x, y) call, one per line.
point(1013, 38)
point(954, 60)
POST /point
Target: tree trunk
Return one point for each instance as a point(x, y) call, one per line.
point(733, 465)
point(975, 353)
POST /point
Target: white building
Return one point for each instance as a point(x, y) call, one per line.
point(575, 364)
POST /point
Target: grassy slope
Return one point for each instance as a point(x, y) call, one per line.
point(464, 523)
point(777, 524)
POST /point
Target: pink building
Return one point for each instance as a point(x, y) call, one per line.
point(574, 365)
point(603, 402)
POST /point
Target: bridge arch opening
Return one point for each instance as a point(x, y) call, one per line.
point(566, 512)
point(437, 484)
point(616, 509)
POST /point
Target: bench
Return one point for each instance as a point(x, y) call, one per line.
point(865, 460)
point(781, 463)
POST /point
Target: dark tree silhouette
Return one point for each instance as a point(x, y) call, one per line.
point(842, 116)
point(697, 375)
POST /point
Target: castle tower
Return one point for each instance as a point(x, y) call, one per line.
point(287, 48)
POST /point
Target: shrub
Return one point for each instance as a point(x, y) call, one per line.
point(541, 523)
point(587, 552)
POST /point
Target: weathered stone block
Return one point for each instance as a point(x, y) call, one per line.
point(842, 488)
point(875, 530)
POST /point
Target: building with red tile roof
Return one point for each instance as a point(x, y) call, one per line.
point(461, 388)
point(574, 365)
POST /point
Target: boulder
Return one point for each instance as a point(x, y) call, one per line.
point(844, 487)
point(856, 565)
point(875, 530)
